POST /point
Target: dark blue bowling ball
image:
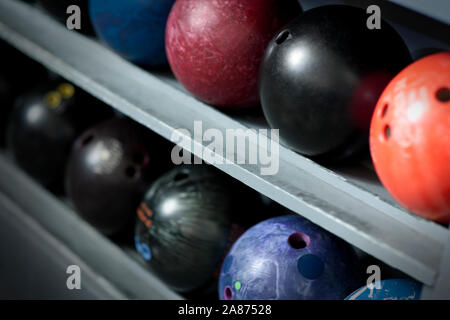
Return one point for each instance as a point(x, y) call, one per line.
point(288, 258)
point(392, 289)
point(134, 28)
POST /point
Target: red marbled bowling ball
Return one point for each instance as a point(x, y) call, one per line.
point(215, 47)
point(410, 137)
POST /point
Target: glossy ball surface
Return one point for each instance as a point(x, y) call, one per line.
point(215, 47)
point(187, 222)
point(410, 137)
point(288, 258)
point(322, 75)
point(109, 168)
point(12, 81)
point(134, 28)
point(392, 289)
point(43, 125)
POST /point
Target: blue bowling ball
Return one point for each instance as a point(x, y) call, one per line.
point(288, 258)
point(392, 289)
point(134, 28)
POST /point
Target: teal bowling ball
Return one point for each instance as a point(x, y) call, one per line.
point(392, 289)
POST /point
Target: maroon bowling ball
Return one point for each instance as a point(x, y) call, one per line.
point(215, 47)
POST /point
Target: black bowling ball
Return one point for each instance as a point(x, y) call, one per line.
point(43, 125)
point(13, 83)
point(188, 220)
point(110, 167)
point(321, 78)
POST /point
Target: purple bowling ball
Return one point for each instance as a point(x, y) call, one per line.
point(289, 258)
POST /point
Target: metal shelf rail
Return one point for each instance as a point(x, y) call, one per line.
point(350, 203)
point(436, 9)
point(107, 269)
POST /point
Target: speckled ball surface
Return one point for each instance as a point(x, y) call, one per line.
point(392, 289)
point(288, 258)
point(215, 47)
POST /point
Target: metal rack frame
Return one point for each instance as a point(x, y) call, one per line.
point(438, 10)
point(349, 202)
point(110, 271)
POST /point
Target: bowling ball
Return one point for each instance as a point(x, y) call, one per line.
point(43, 125)
point(12, 81)
point(109, 168)
point(392, 289)
point(321, 77)
point(58, 9)
point(134, 28)
point(215, 47)
point(187, 221)
point(288, 258)
point(410, 136)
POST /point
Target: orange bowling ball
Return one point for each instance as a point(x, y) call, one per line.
point(410, 137)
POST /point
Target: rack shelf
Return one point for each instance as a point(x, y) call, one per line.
point(108, 272)
point(439, 9)
point(349, 202)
